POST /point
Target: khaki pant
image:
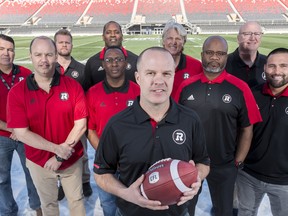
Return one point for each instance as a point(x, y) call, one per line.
point(46, 184)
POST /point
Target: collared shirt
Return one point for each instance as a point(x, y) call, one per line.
point(50, 115)
point(187, 67)
point(253, 75)
point(75, 70)
point(105, 101)
point(95, 73)
point(224, 105)
point(131, 145)
point(20, 74)
point(267, 158)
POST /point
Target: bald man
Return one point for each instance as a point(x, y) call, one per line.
point(246, 62)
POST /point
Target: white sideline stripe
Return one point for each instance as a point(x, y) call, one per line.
point(175, 175)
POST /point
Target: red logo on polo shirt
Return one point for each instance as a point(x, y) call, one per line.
point(64, 96)
point(179, 136)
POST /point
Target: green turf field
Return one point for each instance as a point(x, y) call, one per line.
point(86, 46)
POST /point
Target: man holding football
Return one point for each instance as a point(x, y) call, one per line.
point(146, 132)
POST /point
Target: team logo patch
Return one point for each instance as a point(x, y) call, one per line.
point(75, 74)
point(226, 98)
point(263, 76)
point(130, 103)
point(64, 96)
point(179, 136)
point(128, 67)
point(186, 75)
point(286, 110)
point(21, 78)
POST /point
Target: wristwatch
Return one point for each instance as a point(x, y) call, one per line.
point(59, 159)
point(239, 164)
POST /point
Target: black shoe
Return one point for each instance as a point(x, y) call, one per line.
point(87, 190)
point(61, 193)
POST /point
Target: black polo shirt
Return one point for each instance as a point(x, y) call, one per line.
point(95, 73)
point(254, 75)
point(75, 70)
point(131, 145)
point(267, 159)
point(224, 105)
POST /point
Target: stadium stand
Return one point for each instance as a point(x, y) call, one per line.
point(205, 10)
point(103, 11)
point(259, 10)
point(17, 12)
point(158, 11)
point(62, 12)
point(139, 16)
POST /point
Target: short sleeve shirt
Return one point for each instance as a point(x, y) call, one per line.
point(224, 105)
point(254, 75)
point(267, 158)
point(20, 74)
point(75, 70)
point(95, 73)
point(50, 115)
point(187, 67)
point(104, 102)
point(131, 145)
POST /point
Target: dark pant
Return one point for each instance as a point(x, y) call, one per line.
point(221, 181)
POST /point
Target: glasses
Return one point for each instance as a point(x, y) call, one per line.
point(211, 53)
point(256, 34)
point(111, 60)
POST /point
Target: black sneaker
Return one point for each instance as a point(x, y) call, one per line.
point(61, 193)
point(87, 190)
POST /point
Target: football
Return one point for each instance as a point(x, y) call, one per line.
point(167, 179)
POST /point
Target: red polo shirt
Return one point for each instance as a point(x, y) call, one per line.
point(105, 101)
point(50, 115)
point(20, 74)
point(186, 68)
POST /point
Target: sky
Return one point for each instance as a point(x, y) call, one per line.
point(92, 203)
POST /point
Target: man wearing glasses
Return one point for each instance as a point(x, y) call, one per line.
point(228, 110)
point(246, 62)
point(105, 99)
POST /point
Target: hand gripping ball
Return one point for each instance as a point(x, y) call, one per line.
point(167, 180)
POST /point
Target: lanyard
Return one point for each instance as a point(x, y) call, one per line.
point(12, 82)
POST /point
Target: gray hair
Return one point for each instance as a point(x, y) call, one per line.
point(177, 27)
